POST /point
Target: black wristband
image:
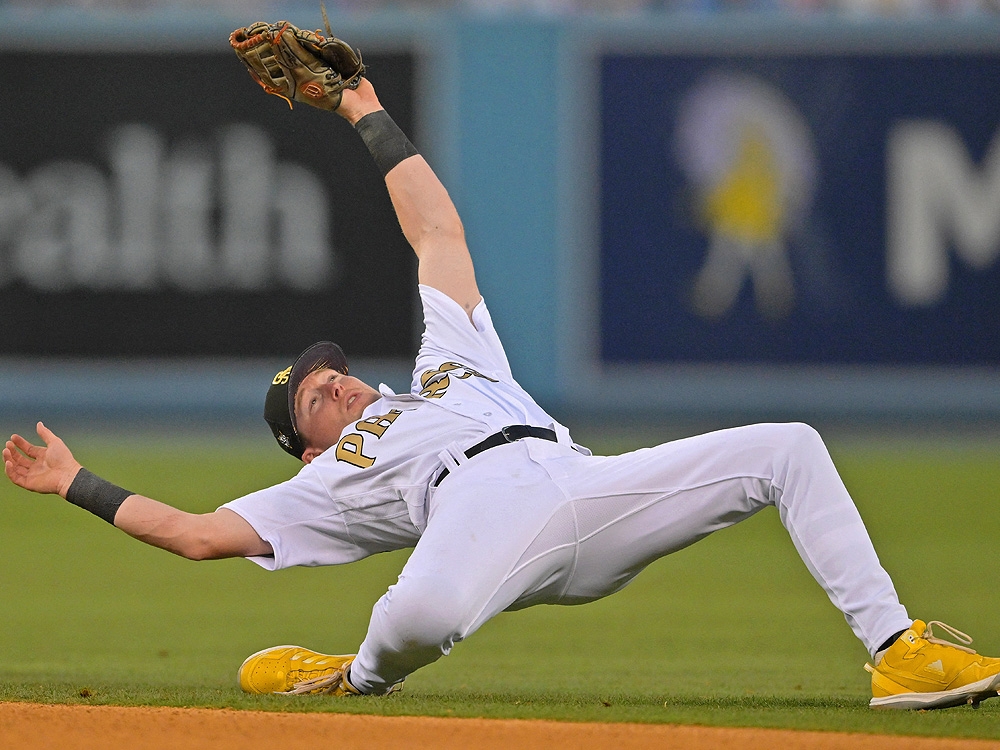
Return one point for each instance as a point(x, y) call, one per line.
point(387, 144)
point(97, 495)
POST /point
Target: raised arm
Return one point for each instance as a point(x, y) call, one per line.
point(425, 211)
point(51, 469)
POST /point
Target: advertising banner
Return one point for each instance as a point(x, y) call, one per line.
point(828, 208)
point(160, 204)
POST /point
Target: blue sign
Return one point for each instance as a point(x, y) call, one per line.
point(800, 209)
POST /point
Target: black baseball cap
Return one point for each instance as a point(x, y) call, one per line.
point(279, 405)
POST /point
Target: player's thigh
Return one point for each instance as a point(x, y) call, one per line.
point(485, 522)
point(635, 508)
point(617, 543)
point(751, 453)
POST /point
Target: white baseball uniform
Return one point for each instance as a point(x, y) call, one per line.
point(535, 521)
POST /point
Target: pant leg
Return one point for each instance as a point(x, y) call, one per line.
point(635, 508)
point(498, 529)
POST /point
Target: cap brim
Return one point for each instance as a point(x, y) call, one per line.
point(320, 356)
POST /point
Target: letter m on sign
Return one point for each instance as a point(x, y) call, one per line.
point(937, 198)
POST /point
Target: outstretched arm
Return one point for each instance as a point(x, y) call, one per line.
point(425, 211)
point(51, 469)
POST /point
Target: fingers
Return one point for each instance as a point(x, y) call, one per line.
point(45, 433)
point(15, 463)
point(13, 450)
point(23, 446)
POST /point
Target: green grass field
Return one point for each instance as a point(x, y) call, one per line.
point(731, 631)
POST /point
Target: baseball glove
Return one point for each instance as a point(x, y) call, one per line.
point(298, 65)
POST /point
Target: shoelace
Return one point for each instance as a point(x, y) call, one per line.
point(958, 635)
point(324, 683)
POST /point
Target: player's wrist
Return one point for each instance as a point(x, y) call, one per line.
point(99, 496)
point(387, 144)
point(68, 480)
point(353, 112)
point(359, 102)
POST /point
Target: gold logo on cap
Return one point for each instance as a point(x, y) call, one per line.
point(282, 377)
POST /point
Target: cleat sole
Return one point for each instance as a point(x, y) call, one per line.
point(972, 694)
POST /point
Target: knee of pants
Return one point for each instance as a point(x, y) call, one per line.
point(786, 449)
point(786, 441)
point(417, 614)
point(801, 460)
point(798, 439)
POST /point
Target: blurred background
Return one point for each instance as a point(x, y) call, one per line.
point(552, 7)
point(687, 212)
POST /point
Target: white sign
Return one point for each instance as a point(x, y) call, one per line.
point(197, 215)
point(937, 198)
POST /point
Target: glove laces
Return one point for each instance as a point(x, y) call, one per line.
point(958, 635)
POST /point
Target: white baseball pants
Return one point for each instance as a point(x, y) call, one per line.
point(534, 522)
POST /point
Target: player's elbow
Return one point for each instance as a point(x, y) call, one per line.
point(208, 547)
point(198, 539)
point(444, 238)
point(199, 549)
point(222, 534)
point(190, 547)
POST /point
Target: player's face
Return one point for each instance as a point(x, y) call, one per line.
point(325, 403)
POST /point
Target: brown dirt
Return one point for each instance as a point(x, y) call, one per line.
point(34, 727)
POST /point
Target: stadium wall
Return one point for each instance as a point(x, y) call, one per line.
point(853, 219)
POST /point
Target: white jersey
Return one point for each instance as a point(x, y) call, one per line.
point(370, 492)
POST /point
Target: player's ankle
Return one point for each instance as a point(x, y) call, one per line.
point(880, 651)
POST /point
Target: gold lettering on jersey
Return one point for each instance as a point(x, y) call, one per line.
point(469, 372)
point(436, 382)
point(437, 388)
point(282, 377)
point(350, 448)
point(379, 423)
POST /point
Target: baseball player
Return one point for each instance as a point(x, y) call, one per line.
point(502, 508)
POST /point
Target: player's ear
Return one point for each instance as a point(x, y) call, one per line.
point(310, 454)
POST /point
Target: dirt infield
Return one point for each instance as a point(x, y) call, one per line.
point(33, 727)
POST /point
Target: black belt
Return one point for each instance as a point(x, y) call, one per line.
point(506, 435)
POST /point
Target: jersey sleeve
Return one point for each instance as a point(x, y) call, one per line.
point(450, 335)
point(300, 522)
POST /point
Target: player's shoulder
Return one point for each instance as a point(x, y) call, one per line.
point(450, 335)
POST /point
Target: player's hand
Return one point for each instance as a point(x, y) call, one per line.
point(47, 469)
point(356, 103)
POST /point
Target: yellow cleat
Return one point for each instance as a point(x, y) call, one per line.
point(292, 670)
point(920, 671)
